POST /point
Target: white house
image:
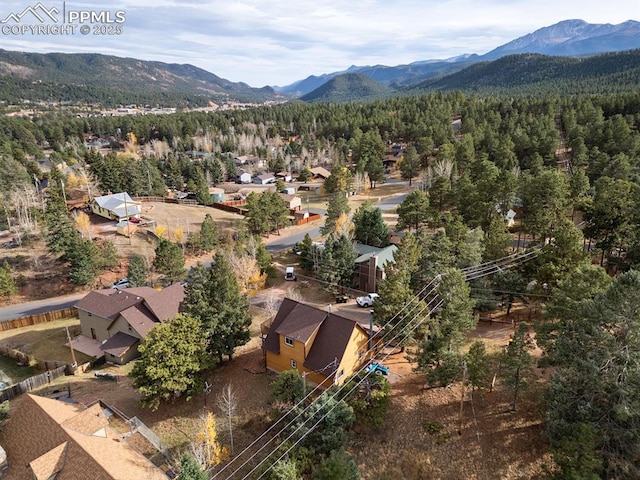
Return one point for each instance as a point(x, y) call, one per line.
point(264, 179)
point(245, 177)
point(118, 206)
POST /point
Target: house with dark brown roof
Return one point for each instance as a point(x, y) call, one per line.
point(114, 321)
point(324, 346)
point(47, 439)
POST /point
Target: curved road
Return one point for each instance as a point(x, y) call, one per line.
point(280, 243)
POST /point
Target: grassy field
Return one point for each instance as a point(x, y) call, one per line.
point(45, 341)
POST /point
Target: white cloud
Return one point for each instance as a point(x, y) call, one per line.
point(277, 42)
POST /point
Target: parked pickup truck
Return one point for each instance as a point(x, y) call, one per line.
point(367, 300)
point(377, 368)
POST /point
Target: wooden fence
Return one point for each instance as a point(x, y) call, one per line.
point(25, 359)
point(31, 383)
point(38, 318)
point(180, 201)
point(311, 218)
point(233, 206)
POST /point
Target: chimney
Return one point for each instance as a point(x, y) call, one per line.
point(372, 273)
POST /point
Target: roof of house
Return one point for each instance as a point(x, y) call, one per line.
point(44, 437)
point(294, 320)
point(320, 172)
point(116, 203)
point(265, 176)
point(299, 322)
point(289, 198)
point(142, 307)
point(385, 255)
point(119, 344)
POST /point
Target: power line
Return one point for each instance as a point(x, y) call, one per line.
point(470, 273)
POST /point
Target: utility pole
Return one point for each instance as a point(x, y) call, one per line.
point(73, 355)
point(464, 379)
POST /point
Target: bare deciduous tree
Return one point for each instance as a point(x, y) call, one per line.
point(227, 402)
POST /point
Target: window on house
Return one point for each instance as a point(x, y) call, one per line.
point(288, 341)
point(294, 364)
point(340, 374)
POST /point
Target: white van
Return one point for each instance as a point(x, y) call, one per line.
point(289, 275)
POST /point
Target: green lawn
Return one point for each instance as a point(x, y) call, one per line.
point(15, 372)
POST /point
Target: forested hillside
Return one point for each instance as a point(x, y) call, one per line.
point(541, 74)
point(109, 81)
point(567, 165)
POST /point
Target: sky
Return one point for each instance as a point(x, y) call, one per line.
point(278, 42)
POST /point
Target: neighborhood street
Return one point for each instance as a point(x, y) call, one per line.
point(275, 244)
point(39, 306)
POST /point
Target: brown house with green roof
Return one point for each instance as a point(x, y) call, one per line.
point(114, 321)
point(324, 346)
point(47, 439)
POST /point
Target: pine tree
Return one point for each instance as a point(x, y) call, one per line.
point(414, 211)
point(370, 228)
point(517, 362)
point(137, 271)
point(344, 257)
point(336, 207)
point(7, 285)
point(221, 307)
point(169, 260)
point(209, 235)
point(189, 468)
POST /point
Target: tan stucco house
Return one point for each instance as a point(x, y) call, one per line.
point(324, 346)
point(114, 321)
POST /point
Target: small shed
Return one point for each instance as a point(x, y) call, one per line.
point(245, 177)
point(217, 194)
point(126, 228)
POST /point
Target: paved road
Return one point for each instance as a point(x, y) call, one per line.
point(285, 242)
point(38, 306)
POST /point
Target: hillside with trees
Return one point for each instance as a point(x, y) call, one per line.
point(567, 165)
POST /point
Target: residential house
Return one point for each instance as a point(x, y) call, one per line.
point(325, 347)
point(320, 172)
point(117, 206)
point(264, 179)
point(293, 201)
point(113, 321)
point(244, 177)
point(370, 265)
point(284, 176)
point(47, 439)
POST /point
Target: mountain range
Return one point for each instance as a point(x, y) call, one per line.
point(110, 80)
point(566, 38)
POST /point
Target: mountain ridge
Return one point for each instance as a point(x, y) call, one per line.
point(566, 38)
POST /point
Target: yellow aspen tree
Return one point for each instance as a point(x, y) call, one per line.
point(208, 438)
point(83, 223)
